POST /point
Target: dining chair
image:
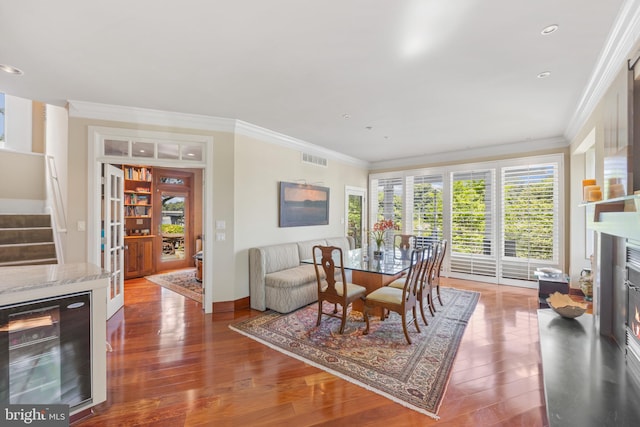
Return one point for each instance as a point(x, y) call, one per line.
point(425, 281)
point(404, 243)
point(399, 300)
point(442, 252)
point(331, 290)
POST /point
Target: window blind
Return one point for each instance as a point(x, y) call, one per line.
point(426, 193)
point(472, 223)
point(530, 236)
point(390, 201)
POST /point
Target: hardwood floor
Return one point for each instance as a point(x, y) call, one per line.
point(172, 365)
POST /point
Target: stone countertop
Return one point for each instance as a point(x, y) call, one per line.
point(34, 277)
point(586, 381)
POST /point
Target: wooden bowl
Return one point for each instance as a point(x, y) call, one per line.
point(565, 306)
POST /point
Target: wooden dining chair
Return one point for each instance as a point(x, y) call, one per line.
point(437, 269)
point(425, 281)
point(403, 243)
point(331, 290)
point(399, 300)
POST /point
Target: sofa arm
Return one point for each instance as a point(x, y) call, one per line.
point(257, 272)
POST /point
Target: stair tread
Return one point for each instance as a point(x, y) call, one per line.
point(10, 245)
point(30, 262)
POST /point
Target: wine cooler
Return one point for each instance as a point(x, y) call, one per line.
point(45, 351)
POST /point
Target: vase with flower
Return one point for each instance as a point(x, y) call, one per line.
point(378, 233)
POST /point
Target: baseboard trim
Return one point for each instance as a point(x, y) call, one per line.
point(231, 306)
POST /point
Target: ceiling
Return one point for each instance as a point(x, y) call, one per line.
point(377, 80)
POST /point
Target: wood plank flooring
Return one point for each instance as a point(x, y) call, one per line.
point(172, 365)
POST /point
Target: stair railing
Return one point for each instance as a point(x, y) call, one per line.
point(58, 215)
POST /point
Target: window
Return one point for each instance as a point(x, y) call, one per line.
point(426, 209)
point(472, 223)
point(529, 219)
point(389, 203)
point(502, 218)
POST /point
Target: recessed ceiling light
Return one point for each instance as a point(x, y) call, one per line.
point(548, 30)
point(346, 116)
point(190, 154)
point(11, 70)
point(368, 127)
point(544, 74)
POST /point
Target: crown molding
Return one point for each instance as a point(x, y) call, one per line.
point(263, 134)
point(460, 156)
point(117, 113)
point(621, 41)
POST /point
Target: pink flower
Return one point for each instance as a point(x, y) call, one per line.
point(380, 228)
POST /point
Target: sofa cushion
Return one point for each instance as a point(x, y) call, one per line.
point(341, 242)
point(280, 257)
point(292, 277)
point(305, 249)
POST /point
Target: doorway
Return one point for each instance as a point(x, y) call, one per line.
point(174, 213)
point(356, 206)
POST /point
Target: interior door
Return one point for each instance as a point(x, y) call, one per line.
point(173, 210)
point(356, 206)
point(113, 242)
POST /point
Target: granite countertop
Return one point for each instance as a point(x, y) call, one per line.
point(31, 277)
point(586, 381)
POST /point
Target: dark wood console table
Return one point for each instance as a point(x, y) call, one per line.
point(586, 382)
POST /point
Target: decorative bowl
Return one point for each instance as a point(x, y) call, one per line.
point(565, 306)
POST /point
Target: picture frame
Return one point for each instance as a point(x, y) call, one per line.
point(303, 205)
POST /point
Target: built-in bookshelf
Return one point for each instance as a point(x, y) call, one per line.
point(138, 200)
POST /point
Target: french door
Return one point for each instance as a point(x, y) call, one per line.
point(113, 242)
point(173, 213)
point(356, 208)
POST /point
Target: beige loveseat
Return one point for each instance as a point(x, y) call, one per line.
point(277, 279)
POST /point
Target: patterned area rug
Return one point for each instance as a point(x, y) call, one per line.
point(183, 282)
point(415, 375)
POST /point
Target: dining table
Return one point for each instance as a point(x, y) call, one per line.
point(369, 271)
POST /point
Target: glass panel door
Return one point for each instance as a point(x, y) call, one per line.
point(173, 219)
point(356, 206)
point(113, 246)
point(172, 228)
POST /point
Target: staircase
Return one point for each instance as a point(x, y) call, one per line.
point(26, 239)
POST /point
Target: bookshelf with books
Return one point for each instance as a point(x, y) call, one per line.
point(138, 213)
point(138, 200)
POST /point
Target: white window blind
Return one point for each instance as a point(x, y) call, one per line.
point(529, 219)
point(472, 223)
point(389, 203)
point(426, 213)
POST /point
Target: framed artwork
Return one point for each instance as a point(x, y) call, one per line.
point(303, 204)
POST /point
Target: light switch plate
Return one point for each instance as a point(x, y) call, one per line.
point(221, 225)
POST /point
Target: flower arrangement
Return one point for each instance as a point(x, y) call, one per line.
point(379, 230)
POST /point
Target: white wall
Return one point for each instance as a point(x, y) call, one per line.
point(57, 143)
point(17, 130)
point(23, 182)
point(259, 167)
point(606, 127)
